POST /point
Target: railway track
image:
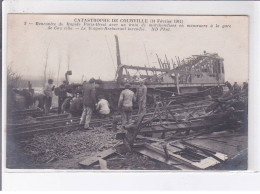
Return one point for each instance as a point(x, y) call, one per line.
point(36, 112)
point(61, 122)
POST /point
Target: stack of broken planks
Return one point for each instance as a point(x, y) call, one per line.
point(199, 153)
point(203, 152)
point(182, 157)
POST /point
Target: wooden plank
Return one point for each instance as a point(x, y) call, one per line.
point(180, 127)
point(202, 164)
point(206, 152)
point(242, 140)
point(174, 157)
point(212, 160)
point(95, 159)
point(156, 156)
point(205, 163)
point(149, 138)
point(214, 146)
point(102, 164)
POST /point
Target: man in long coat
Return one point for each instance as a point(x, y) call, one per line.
point(89, 102)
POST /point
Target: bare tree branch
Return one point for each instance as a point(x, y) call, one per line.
point(58, 70)
point(46, 64)
point(13, 78)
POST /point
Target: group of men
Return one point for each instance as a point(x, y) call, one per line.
point(236, 88)
point(125, 104)
point(126, 100)
point(45, 99)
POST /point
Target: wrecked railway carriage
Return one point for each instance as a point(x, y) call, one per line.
point(197, 74)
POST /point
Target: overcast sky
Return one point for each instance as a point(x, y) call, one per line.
point(93, 53)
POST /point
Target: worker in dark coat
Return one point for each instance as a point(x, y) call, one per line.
point(40, 98)
point(229, 86)
point(245, 86)
point(76, 104)
point(236, 88)
point(89, 102)
point(62, 95)
point(141, 97)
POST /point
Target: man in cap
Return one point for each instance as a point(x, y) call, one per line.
point(48, 92)
point(229, 86)
point(125, 104)
point(62, 95)
point(236, 88)
point(89, 102)
point(141, 97)
point(245, 86)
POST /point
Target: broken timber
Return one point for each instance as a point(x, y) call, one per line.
point(102, 164)
point(95, 159)
point(172, 158)
point(160, 157)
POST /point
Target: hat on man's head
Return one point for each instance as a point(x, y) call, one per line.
point(50, 80)
point(141, 81)
point(127, 85)
point(92, 80)
point(101, 96)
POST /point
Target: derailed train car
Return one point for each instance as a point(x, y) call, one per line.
point(194, 75)
point(190, 76)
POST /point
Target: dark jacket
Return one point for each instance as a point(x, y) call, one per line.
point(89, 95)
point(63, 93)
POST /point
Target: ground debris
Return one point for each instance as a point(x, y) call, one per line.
point(46, 148)
point(26, 120)
point(69, 147)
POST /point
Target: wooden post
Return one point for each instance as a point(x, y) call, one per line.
point(177, 83)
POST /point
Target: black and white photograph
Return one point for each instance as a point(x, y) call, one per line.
point(127, 92)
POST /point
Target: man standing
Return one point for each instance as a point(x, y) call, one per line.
point(125, 104)
point(245, 86)
point(141, 97)
point(229, 86)
point(236, 88)
point(89, 102)
point(62, 95)
point(48, 95)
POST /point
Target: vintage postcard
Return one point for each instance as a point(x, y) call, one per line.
point(127, 92)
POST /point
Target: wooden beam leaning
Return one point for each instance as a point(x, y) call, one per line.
point(89, 161)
